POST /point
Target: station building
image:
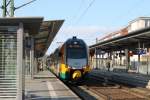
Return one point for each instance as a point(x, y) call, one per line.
point(23, 40)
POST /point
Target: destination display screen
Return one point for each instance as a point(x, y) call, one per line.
point(74, 46)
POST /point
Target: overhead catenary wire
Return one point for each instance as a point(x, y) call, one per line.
point(25, 4)
point(78, 18)
point(9, 9)
point(131, 9)
point(85, 11)
point(82, 14)
point(75, 16)
point(80, 6)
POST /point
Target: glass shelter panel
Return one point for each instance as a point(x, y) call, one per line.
point(8, 61)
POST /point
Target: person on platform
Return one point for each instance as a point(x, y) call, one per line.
point(108, 65)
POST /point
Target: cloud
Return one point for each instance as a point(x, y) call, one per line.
point(87, 33)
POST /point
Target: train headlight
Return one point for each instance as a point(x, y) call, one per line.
point(86, 69)
point(77, 74)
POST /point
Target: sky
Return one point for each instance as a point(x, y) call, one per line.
point(86, 19)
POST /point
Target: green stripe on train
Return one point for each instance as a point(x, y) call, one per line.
point(64, 75)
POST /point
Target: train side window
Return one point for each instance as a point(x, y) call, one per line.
point(60, 54)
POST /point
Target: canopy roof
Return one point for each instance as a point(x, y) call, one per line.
point(129, 41)
point(48, 31)
point(43, 32)
point(32, 24)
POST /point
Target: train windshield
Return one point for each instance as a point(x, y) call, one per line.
point(76, 53)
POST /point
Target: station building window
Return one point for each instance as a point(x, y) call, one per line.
point(8, 56)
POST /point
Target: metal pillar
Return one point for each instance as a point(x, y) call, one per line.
point(35, 65)
point(100, 60)
point(96, 57)
point(6, 10)
point(120, 56)
point(110, 56)
point(147, 65)
point(113, 58)
point(12, 8)
point(148, 62)
point(32, 58)
point(139, 45)
point(127, 59)
point(99, 65)
point(103, 60)
point(97, 61)
point(91, 61)
point(20, 68)
point(138, 63)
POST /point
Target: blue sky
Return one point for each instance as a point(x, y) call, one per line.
point(102, 17)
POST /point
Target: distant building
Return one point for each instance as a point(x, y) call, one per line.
point(139, 23)
point(121, 32)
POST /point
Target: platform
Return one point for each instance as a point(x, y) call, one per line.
point(45, 86)
point(134, 79)
point(44, 74)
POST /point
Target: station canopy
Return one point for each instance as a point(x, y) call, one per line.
point(130, 41)
point(48, 31)
point(32, 24)
point(42, 31)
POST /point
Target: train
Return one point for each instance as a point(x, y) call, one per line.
point(70, 61)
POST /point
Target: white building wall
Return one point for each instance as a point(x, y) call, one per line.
point(141, 24)
point(147, 23)
point(136, 25)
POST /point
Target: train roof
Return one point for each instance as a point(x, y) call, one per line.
point(69, 41)
point(73, 39)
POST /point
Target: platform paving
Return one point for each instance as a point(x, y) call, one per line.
point(45, 86)
point(44, 74)
point(134, 79)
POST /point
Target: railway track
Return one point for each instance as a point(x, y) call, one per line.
point(100, 88)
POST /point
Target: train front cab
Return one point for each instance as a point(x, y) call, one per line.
point(73, 60)
point(68, 74)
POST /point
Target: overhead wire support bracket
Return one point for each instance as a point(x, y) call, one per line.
point(8, 3)
point(9, 9)
point(24, 5)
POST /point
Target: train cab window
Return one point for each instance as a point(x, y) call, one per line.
point(59, 54)
point(76, 53)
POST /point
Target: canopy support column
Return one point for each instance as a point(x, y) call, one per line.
point(20, 67)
